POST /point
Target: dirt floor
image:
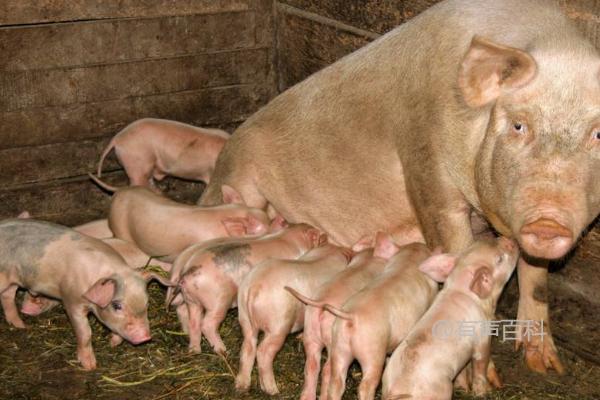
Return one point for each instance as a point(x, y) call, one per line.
point(39, 363)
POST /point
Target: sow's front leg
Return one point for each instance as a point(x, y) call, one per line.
point(540, 351)
point(442, 211)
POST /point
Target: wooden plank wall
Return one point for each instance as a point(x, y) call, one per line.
point(74, 72)
point(312, 34)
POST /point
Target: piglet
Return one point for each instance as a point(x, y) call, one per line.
point(264, 306)
point(83, 272)
point(149, 149)
point(210, 278)
point(375, 320)
point(133, 256)
point(363, 268)
point(162, 227)
point(426, 363)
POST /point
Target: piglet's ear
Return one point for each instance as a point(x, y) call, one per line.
point(231, 196)
point(242, 226)
point(489, 69)
point(148, 276)
point(278, 223)
point(315, 237)
point(364, 242)
point(384, 246)
point(102, 292)
point(482, 283)
point(438, 266)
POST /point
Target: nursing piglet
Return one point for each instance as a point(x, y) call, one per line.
point(426, 363)
point(162, 227)
point(83, 272)
point(149, 149)
point(210, 278)
point(363, 268)
point(375, 320)
point(265, 306)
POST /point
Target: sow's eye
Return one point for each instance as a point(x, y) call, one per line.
point(596, 134)
point(519, 128)
point(117, 306)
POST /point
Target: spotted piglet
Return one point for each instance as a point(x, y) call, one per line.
point(375, 320)
point(210, 278)
point(83, 272)
point(265, 306)
point(426, 363)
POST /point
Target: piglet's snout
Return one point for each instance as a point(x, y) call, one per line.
point(138, 333)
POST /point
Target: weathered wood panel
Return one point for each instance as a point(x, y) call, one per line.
point(102, 42)
point(43, 163)
point(14, 12)
point(306, 46)
point(79, 200)
point(214, 106)
point(377, 16)
point(62, 87)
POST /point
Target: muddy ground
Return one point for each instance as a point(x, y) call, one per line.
point(39, 363)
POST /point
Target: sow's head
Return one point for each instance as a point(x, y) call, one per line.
point(538, 166)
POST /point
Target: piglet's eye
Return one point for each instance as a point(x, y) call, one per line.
point(597, 135)
point(117, 306)
point(518, 127)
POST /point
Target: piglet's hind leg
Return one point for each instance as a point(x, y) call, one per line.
point(11, 313)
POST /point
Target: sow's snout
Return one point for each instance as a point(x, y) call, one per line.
point(546, 238)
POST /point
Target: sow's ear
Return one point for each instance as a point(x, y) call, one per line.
point(490, 68)
point(482, 282)
point(231, 196)
point(102, 292)
point(438, 266)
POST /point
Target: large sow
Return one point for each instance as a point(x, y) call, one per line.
point(491, 106)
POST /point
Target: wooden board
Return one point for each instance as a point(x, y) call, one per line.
point(63, 87)
point(213, 106)
point(112, 41)
point(14, 12)
point(377, 16)
point(306, 46)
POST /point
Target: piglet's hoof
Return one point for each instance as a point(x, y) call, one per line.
point(115, 340)
point(492, 375)
point(88, 363)
point(18, 323)
point(195, 350)
point(241, 385)
point(541, 355)
point(221, 351)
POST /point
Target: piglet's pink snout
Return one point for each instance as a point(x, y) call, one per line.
point(139, 335)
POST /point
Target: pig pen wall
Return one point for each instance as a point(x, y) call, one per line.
point(73, 73)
